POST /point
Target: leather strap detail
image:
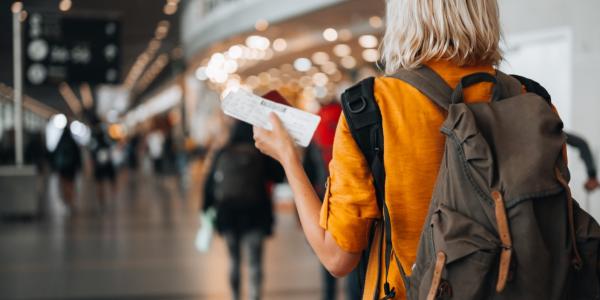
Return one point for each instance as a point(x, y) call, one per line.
point(437, 275)
point(577, 261)
point(505, 238)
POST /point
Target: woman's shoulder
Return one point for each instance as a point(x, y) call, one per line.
point(388, 88)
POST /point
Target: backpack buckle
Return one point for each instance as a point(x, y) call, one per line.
point(357, 105)
point(389, 293)
point(445, 289)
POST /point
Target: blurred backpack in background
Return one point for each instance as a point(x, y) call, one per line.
point(239, 176)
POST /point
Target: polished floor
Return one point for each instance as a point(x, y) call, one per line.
point(140, 247)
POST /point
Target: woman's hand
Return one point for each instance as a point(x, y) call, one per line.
point(276, 143)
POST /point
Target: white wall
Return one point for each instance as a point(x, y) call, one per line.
point(579, 17)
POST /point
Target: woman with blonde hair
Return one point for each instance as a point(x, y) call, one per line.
point(453, 38)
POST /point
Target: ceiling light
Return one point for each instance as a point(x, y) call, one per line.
point(342, 50)
point(376, 22)
point(280, 45)
point(348, 62)
point(329, 68)
point(220, 77)
point(320, 79)
point(16, 7)
point(59, 121)
point(65, 5)
point(268, 54)
point(230, 66)
point(258, 42)
point(217, 59)
point(235, 52)
point(330, 35)
point(345, 35)
point(302, 64)
point(320, 58)
point(170, 8)
point(368, 41)
point(23, 16)
point(370, 55)
point(162, 29)
point(261, 25)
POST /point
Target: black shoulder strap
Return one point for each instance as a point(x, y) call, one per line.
point(364, 119)
point(532, 86)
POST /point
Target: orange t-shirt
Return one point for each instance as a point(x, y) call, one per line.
point(412, 158)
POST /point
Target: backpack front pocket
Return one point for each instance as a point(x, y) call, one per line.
point(469, 253)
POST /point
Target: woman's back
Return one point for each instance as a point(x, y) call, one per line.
point(413, 153)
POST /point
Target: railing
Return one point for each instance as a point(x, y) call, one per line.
point(35, 113)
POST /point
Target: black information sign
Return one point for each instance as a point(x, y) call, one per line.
point(71, 49)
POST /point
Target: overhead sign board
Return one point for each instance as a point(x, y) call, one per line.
point(72, 49)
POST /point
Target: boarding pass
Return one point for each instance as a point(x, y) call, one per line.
point(255, 110)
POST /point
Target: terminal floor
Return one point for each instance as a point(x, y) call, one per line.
point(140, 247)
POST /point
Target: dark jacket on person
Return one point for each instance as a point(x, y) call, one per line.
point(241, 219)
point(67, 155)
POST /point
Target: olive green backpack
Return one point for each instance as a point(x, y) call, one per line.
point(502, 223)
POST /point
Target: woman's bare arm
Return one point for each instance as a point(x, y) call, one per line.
point(279, 145)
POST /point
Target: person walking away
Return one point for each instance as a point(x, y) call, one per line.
point(104, 170)
point(237, 187)
point(429, 48)
point(67, 162)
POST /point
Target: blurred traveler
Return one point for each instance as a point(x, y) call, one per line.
point(588, 159)
point(133, 153)
point(67, 162)
point(35, 151)
point(104, 169)
point(155, 142)
point(36, 154)
point(238, 187)
point(7, 147)
point(437, 45)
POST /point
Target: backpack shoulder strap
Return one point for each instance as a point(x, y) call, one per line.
point(532, 86)
point(509, 85)
point(364, 119)
point(429, 83)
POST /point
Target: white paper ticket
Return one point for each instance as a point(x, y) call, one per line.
point(255, 110)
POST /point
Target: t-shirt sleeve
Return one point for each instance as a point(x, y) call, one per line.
point(350, 204)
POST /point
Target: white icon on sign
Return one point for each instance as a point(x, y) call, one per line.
point(35, 19)
point(81, 55)
point(59, 54)
point(37, 74)
point(35, 31)
point(110, 52)
point(110, 29)
point(37, 50)
point(111, 75)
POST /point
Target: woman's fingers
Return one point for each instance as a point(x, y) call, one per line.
point(276, 122)
point(276, 143)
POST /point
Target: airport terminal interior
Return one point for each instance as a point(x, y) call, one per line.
point(110, 121)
